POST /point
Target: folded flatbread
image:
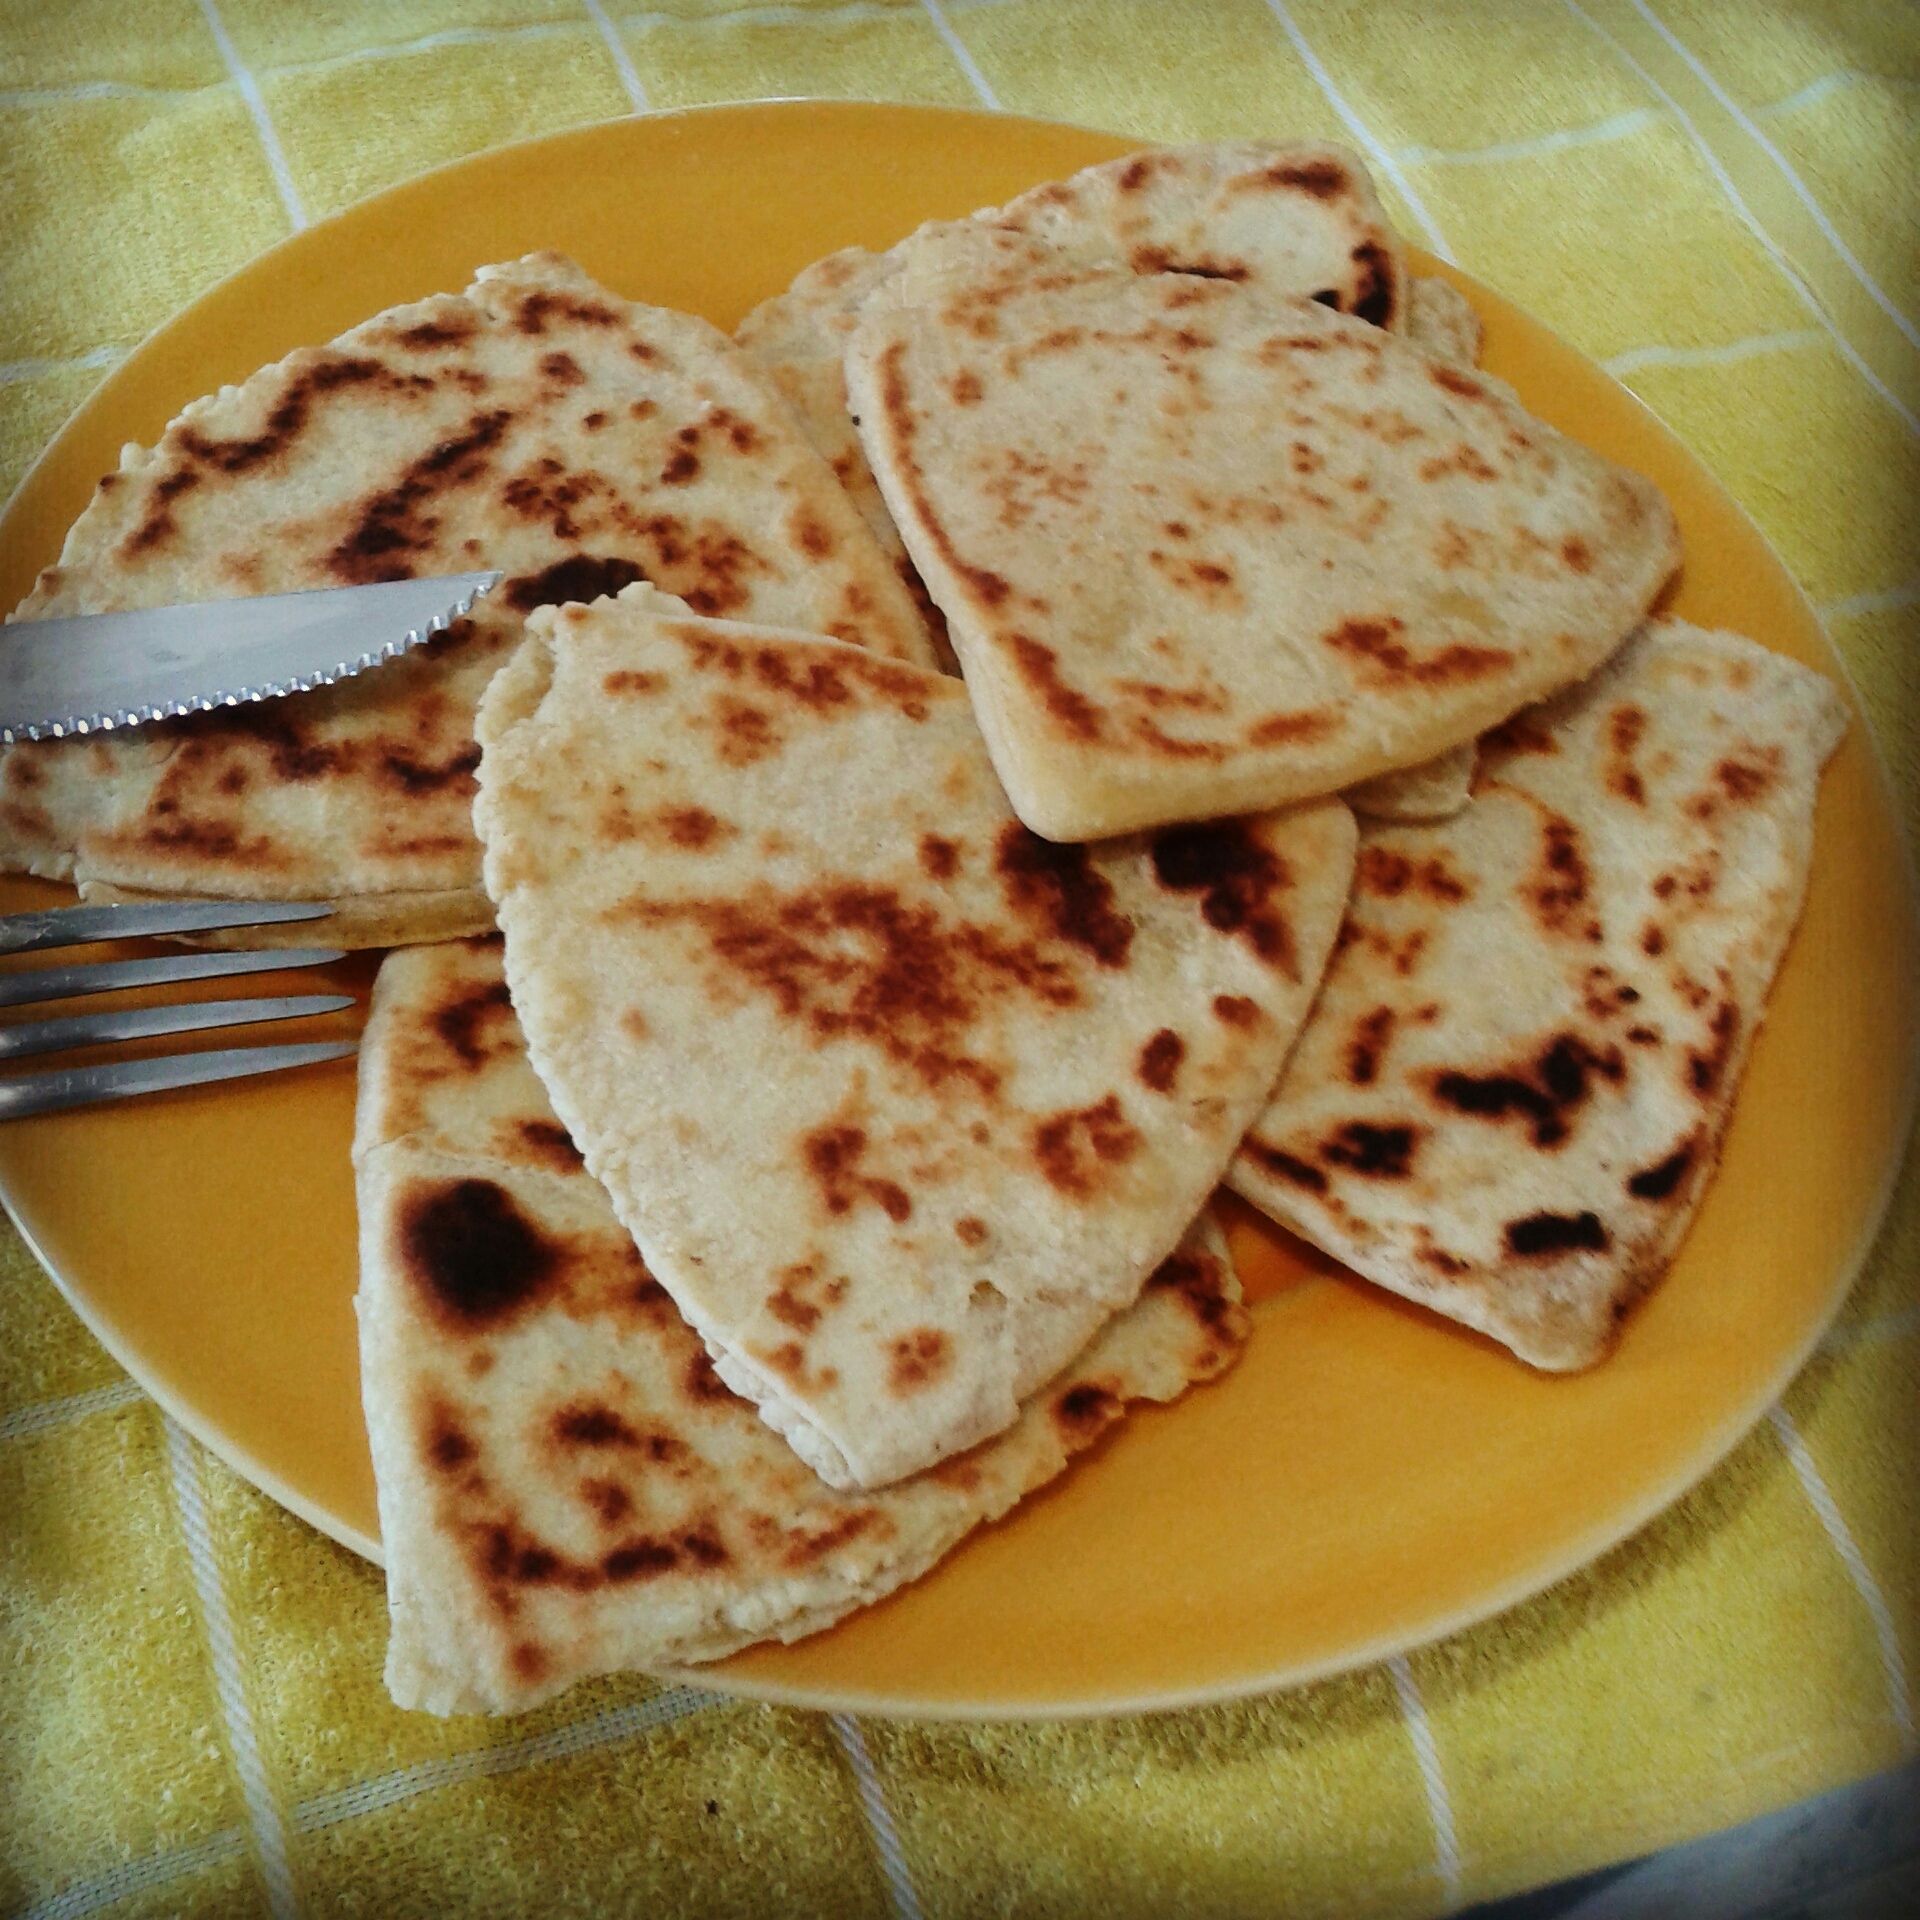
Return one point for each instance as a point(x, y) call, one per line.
point(565, 1487)
point(1511, 1094)
point(901, 1102)
point(536, 424)
point(1202, 550)
point(1294, 219)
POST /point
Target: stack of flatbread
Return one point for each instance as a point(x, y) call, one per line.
point(1100, 699)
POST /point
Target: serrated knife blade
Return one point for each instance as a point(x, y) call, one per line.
point(93, 673)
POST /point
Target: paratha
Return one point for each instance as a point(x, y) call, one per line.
point(537, 424)
point(565, 1487)
point(1203, 550)
point(1511, 1094)
point(1295, 219)
point(900, 1102)
point(1440, 321)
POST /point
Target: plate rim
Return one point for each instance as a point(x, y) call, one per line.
point(1599, 1540)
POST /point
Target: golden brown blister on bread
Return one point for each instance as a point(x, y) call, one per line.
point(536, 424)
point(814, 1003)
point(566, 1487)
point(1511, 1094)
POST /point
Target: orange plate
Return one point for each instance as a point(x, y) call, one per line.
point(1368, 1477)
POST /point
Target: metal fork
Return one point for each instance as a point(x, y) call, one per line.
point(22, 1094)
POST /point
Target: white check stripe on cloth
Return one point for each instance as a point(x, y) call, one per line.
point(1747, 219)
point(622, 60)
point(1359, 128)
point(135, 1876)
point(1899, 1694)
point(257, 107)
point(71, 1406)
point(873, 1802)
point(41, 369)
point(1728, 351)
point(963, 58)
point(607, 1729)
point(1617, 127)
point(1446, 1843)
point(1779, 159)
point(263, 1814)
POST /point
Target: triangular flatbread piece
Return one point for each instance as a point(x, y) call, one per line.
point(1511, 1094)
point(901, 1102)
point(536, 424)
point(565, 1487)
point(1200, 550)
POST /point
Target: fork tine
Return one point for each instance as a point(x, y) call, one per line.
point(107, 976)
point(123, 920)
point(81, 1086)
point(139, 1023)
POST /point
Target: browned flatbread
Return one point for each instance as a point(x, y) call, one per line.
point(537, 424)
point(901, 1102)
point(1203, 550)
point(565, 1486)
point(1510, 1097)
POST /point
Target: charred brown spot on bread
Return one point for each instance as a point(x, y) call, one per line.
point(747, 732)
point(446, 1444)
point(1373, 299)
point(581, 576)
point(699, 1380)
point(1082, 1410)
point(1522, 733)
point(585, 1425)
point(475, 1256)
point(694, 827)
point(1135, 174)
point(681, 468)
point(1200, 1281)
point(939, 858)
point(1577, 554)
point(1373, 643)
point(1371, 1034)
point(1319, 179)
point(1235, 1009)
point(1557, 887)
point(1707, 1066)
point(450, 331)
point(412, 775)
point(1662, 1180)
point(1442, 1262)
point(1454, 381)
point(530, 1662)
point(610, 1501)
point(465, 1023)
point(1289, 729)
point(562, 367)
point(1283, 1165)
point(1746, 780)
point(1237, 878)
point(965, 388)
point(157, 524)
point(327, 373)
point(1546, 1092)
point(860, 962)
point(1059, 888)
point(549, 1141)
point(805, 1548)
point(631, 680)
point(1073, 1147)
point(1548, 1235)
point(969, 1230)
point(542, 305)
point(392, 530)
point(1653, 939)
point(1379, 1153)
point(1385, 871)
point(917, 1359)
point(1160, 1060)
point(833, 1155)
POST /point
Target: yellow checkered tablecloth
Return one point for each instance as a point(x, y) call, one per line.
point(1719, 200)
